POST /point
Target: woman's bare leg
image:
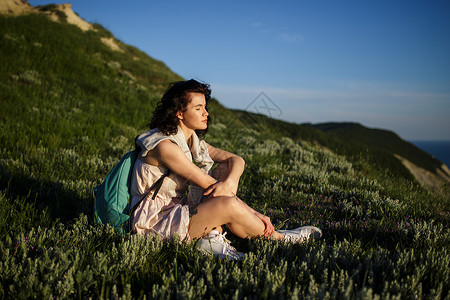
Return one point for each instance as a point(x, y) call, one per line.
point(214, 212)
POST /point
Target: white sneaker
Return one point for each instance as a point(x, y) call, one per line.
point(216, 244)
point(301, 234)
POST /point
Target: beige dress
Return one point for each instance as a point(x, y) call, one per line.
point(168, 214)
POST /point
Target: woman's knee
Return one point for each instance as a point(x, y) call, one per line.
point(231, 205)
point(222, 203)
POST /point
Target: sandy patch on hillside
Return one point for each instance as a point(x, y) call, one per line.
point(15, 7)
point(444, 172)
point(426, 178)
point(19, 7)
point(111, 43)
point(72, 18)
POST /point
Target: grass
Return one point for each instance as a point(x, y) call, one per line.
point(71, 108)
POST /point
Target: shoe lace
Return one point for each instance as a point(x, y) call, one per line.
point(226, 243)
point(299, 235)
point(305, 233)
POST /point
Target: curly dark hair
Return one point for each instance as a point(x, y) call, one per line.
point(175, 99)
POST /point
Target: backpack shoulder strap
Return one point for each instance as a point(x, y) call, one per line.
point(156, 186)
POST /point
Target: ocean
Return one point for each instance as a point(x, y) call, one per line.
point(439, 149)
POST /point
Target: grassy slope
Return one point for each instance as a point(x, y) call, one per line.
point(63, 91)
point(71, 107)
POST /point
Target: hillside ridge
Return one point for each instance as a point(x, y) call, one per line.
point(57, 13)
point(18, 7)
point(15, 7)
point(427, 170)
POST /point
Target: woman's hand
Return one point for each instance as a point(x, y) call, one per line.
point(220, 189)
point(270, 229)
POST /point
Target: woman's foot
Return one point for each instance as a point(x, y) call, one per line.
point(301, 234)
point(216, 244)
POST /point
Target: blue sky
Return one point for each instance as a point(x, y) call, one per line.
point(384, 64)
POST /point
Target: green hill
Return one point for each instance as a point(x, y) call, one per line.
point(72, 102)
point(386, 150)
point(377, 147)
point(382, 140)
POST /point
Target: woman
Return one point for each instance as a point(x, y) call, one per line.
point(173, 145)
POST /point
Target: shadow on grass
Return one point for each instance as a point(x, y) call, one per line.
point(47, 198)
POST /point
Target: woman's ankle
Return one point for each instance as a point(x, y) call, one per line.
point(219, 229)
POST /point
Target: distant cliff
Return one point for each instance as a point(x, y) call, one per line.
point(426, 169)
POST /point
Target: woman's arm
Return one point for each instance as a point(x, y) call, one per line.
point(170, 155)
point(228, 173)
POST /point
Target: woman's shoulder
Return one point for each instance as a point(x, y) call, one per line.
point(167, 147)
point(149, 140)
point(158, 152)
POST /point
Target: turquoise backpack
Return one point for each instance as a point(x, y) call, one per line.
point(113, 199)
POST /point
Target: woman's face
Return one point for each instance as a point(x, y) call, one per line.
point(195, 115)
